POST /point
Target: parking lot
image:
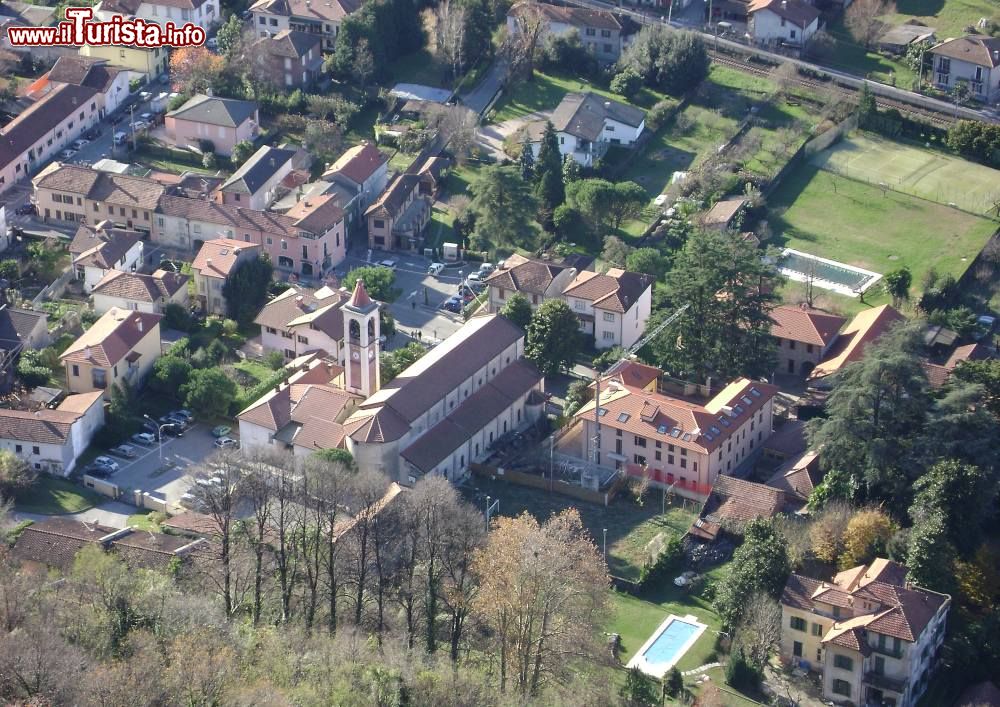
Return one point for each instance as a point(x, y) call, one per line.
point(419, 307)
point(169, 477)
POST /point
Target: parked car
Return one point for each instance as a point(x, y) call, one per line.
point(984, 326)
point(27, 209)
point(486, 269)
point(144, 96)
point(120, 138)
point(388, 263)
point(227, 443)
point(435, 269)
point(147, 118)
point(175, 419)
point(124, 450)
point(144, 438)
point(474, 277)
point(454, 304)
point(221, 431)
point(139, 125)
point(464, 289)
point(108, 463)
point(97, 471)
point(183, 413)
point(80, 143)
point(477, 286)
point(172, 429)
point(68, 154)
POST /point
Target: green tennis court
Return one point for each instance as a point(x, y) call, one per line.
point(924, 173)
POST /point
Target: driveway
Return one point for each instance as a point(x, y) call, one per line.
point(113, 514)
point(491, 137)
point(167, 476)
point(479, 98)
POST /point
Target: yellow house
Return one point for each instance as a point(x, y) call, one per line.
point(151, 62)
point(120, 347)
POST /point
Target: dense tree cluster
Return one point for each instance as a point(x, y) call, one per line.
point(245, 289)
point(666, 59)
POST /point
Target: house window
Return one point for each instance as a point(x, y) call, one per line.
point(605, 33)
point(609, 316)
point(836, 612)
point(639, 441)
point(76, 371)
point(303, 340)
point(99, 377)
point(36, 450)
point(379, 223)
point(591, 32)
point(658, 456)
point(842, 687)
point(263, 20)
point(817, 629)
point(608, 49)
point(501, 294)
point(809, 348)
point(18, 448)
point(792, 34)
point(289, 353)
point(791, 344)
point(798, 623)
point(843, 662)
point(608, 335)
point(640, 460)
point(944, 65)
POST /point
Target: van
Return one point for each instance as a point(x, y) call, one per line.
point(120, 138)
point(435, 269)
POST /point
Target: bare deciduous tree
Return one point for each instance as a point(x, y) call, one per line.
point(785, 76)
point(521, 44)
point(862, 19)
point(760, 628)
point(450, 35)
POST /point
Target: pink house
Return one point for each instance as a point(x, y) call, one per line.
point(221, 121)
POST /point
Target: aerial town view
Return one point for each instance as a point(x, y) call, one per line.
point(459, 353)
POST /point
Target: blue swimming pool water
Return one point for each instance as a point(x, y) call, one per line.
point(666, 647)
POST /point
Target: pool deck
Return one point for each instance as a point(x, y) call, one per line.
point(658, 670)
point(872, 277)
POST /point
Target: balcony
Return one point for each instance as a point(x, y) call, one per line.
point(884, 682)
point(887, 651)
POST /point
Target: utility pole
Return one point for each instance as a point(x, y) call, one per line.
point(131, 124)
point(552, 442)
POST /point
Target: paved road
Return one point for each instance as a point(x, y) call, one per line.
point(478, 98)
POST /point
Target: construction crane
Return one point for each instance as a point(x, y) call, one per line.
point(595, 445)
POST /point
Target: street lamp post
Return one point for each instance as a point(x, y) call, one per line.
point(487, 514)
point(159, 434)
point(552, 441)
point(605, 546)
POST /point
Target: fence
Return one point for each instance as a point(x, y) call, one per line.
point(810, 148)
point(556, 486)
point(105, 488)
point(54, 290)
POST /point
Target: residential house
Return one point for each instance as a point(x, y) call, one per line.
point(221, 121)
point(38, 134)
point(898, 38)
point(732, 503)
point(97, 250)
point(65, 192)
point(316, 17)
point(724, 214)
point(256, 183)
point(972, 59)
point(613, 307)
point(121, 347)
point(300, 320)
point(798, 477)
point(142, 63)
point(938, 374)
point(22, 328)
point(301, 418)
point(216, 261)
point(15, 13)
point(875, 637)
point(307, 241)
point(803, 337)
point(52, 440)
point(290, 59)
point(140, 293)
point(782, 23)
point(398, 218)
point(55, 542)
point(203, 13)
point(363, 171)
point(678, 441)
point(850, 345)
point(110, 82)
point(601, 32)
point(587, 124)
point(536, 280)
point(446, 410)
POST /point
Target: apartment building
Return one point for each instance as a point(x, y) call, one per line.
point(110, 82)
point(875, 637)
point(398, 218)
point(258, 181)
point(321, 18)
point(121, 347)
point(223, 122)
point(42, 131)
point(141, 63)
point(363, 170)
point(203, 13)
point(290, 59)
point(587, 125)
point(684, 442)
point(803, 337)
point(140, 293)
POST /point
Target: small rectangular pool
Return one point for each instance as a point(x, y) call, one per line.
point(667, 645)
point(826, 274)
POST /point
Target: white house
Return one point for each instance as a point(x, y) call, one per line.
point(110, 82)
point(204, 13)
point(52, 440)
point(140, 293)
point(587, 125)
point(973, 59)
point(97, 250)
point(613, 308)
point(300, 320)
point(535, 280)
point(782, 23)
point(322, 17)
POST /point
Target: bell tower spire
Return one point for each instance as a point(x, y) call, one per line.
point(361, 342)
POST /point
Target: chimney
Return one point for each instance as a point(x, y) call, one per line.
point(87, 353)
point(996, 55)
point(299, 300)
point(138, 324)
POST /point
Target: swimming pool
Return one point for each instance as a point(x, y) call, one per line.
point(667, 645)
point(826, 274)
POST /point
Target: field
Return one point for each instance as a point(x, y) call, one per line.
point(948, 17)
point(52, 496)
point(856, 223)
point(925, 173)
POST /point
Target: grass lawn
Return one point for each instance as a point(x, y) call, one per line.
point(255, 369)
point(629, 526)
point(422, 67)
point(949, 18)
point(145, 520)
point(52, 496)
point(850, 56)
point(834, 217)
point(545, 92)
point(442, 229)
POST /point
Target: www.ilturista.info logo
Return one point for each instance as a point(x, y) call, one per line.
point(79, 29)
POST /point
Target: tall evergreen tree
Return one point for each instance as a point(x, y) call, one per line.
point(549, 157)
point(527, 162)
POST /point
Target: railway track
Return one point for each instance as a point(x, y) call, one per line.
point(757, 69)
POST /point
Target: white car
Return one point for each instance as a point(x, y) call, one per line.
point(475, 277)
point(435, 268)
point(226, 443)
point(124, 450)
point(388, 263)
point(108, 463)
point(144, 438)
point(81, 143)
point(660, 200)
point(147, 117)
point(68, 154)
point(486, 269)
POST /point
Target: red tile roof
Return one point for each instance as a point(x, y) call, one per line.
point(141, 288)
point(217, 257)
point(112, 337)
point(616, 291)
point(358, 164)
point(360, 298)
point(806, 325)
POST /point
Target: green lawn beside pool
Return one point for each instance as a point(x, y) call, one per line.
point(52, 496)
point(855, 223)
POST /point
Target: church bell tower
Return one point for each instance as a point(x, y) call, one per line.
point(361, 342)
